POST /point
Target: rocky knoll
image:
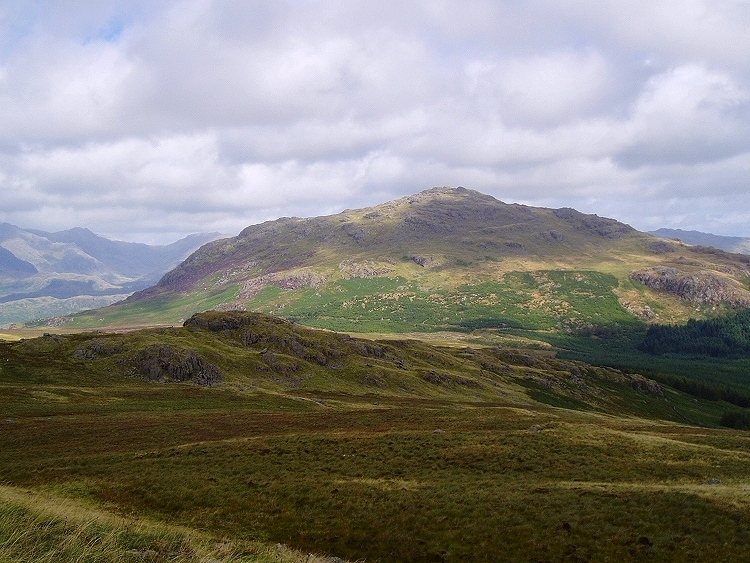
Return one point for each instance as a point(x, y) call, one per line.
point(168, 364)
point(704, 287)
point(284, 337)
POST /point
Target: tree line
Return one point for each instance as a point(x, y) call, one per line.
point(722, 337)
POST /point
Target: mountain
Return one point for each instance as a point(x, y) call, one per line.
point(14, 267)
point(445, 259)
point(136, 260)
point(729, 244)
point(45, 274)
point(389, 449)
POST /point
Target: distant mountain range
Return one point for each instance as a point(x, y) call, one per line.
point(46, 274)
point(729, 244)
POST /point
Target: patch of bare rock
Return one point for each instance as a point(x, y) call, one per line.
point(704, 287)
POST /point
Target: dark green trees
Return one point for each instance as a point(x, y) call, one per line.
point(721, 337)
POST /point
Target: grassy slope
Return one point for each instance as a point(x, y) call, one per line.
point(264, 354)
point(359, 456)
point(359, 482)
point(48, 527)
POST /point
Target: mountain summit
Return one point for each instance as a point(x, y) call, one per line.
point(441, 228)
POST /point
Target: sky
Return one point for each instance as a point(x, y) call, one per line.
point(147, 120)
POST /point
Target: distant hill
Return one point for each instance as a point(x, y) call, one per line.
point(45, 274)
point(130, 259)
point(729, 244)
point(14, 267)
point(446, 259)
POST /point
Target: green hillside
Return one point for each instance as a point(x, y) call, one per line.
point(444, 259)
point(242, 437)
point(258, 353)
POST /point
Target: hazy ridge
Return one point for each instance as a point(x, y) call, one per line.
point(729, 244)
point(45, 274)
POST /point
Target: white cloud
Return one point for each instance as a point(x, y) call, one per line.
point(688, 115)
point(543, 89)
point(178, 116)
point(163, 172)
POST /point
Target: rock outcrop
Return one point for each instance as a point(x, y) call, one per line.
point(168, 364)
point(704, 287)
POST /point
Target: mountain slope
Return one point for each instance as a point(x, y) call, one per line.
point(436, 229)
point(251, 351)
point(728, 244)
point(14, 267)
point(40, 272)
point(443, 259)
point(129, 259)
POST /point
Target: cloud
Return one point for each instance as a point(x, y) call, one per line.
point(688, 114)
point(156, 119)
point(542, 89)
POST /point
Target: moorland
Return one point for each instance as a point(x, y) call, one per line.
point(441, 378)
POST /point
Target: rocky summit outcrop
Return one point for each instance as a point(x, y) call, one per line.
point(703, 286)
point(279, 336)
point(601, 226)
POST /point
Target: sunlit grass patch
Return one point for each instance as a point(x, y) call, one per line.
point(46, 528)
point(519, 299)
point(9, 337)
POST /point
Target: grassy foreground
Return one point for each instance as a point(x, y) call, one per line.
point(411, 481)
point(46, 527)
point(465, 464)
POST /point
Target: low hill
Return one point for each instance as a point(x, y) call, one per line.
point(47, 274)
point(445, 259)
point(241, 350)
